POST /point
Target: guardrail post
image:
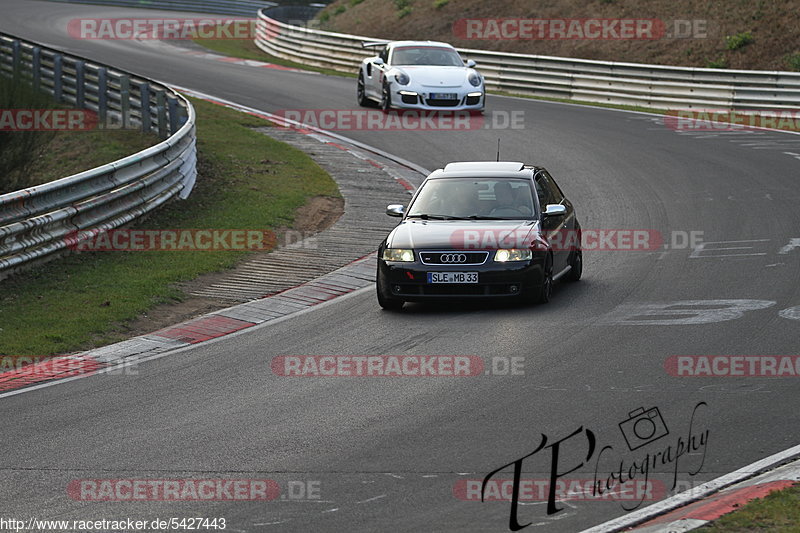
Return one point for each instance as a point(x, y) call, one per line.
point(161, 110)
point(36, 60)
point(58, 71)
point(102, 96)
point(125, 99)
point(144, 105)
point(80, 84)
point(183, 116)
point(172, 104)
point(16, 57)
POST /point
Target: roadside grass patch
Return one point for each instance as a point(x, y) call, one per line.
point(722, 62)
point(793, 61)
point(246, 181)
point(778, 511)
point(247, 49)
point(740, 40)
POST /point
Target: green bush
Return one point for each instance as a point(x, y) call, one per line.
point(439, 4)
point(404, 12)
point(793, 61)
point(740, 40)
point(19, 149)
point(339, 10)
point(324, 17)
point(354, 3)
point(402, 4)
point(719, 63)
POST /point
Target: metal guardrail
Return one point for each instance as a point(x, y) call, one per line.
point(40, 222)
point(245, 8)
point(657, 86)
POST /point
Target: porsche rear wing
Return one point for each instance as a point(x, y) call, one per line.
point(373, 44)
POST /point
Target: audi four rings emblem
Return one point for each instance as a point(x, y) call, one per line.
point(453, 258)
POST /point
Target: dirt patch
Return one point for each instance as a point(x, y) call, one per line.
point(318, 214)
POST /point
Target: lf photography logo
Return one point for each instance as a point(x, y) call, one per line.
point(612, 471)
point(643, 427)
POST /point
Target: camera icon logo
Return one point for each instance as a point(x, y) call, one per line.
point(643, 427)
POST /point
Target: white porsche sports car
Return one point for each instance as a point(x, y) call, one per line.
point(419, 75)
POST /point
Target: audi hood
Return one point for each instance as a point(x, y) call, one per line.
point(461, 234)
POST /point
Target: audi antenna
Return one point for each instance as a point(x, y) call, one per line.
point(498, 149)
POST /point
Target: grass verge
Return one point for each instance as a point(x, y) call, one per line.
point(777, 511)
point(67, 153)
point(31, 157)
point(247, 49)
point(246, 181)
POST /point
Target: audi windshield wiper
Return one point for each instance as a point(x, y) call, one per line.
point(425, 216)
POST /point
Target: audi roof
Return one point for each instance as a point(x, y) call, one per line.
point(484, 169)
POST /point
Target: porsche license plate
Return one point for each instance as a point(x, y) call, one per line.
point(443, 96)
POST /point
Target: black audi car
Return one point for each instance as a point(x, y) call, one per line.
point(480, 230)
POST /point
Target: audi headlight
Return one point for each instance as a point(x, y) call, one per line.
point(402, 78)
point(512, 254)
point(474, 79)
point(398, 254)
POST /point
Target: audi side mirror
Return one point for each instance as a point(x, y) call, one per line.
point(395, 210)
point(554, 210)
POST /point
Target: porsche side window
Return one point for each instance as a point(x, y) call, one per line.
point(385, 55)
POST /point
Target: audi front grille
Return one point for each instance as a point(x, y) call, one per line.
point(453, 258)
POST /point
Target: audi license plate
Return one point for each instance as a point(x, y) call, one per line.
point(444, 96)
point(452, 277)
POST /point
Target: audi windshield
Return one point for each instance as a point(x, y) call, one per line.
point(471, 198)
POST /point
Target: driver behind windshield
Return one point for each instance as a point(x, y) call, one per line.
point(448, 198)
point(508, 202)
point(459, 199)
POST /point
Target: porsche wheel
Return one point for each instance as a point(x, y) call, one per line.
point(361, 93)
point(386, 97)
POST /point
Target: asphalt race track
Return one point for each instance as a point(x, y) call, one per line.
point(384, 454)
